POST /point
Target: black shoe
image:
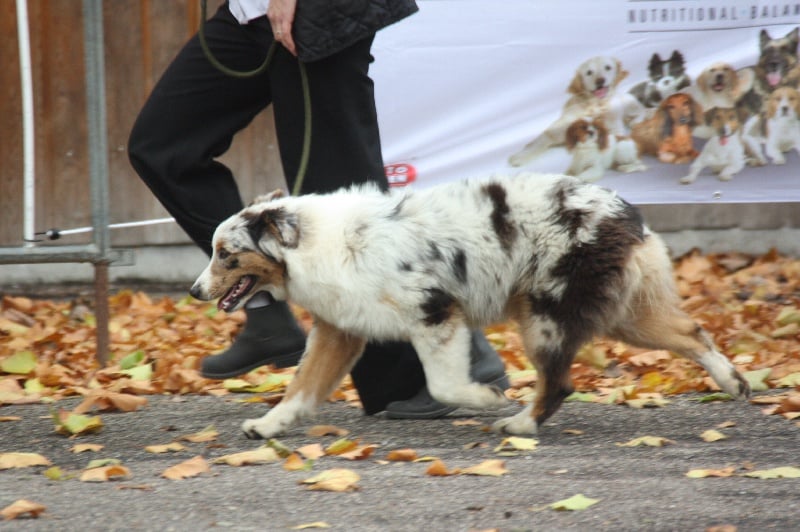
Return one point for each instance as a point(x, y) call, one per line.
point(486, 368)
point(271, 335)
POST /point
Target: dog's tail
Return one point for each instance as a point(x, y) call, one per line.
point(650, 276)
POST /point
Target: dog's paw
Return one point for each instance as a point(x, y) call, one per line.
point(740, 388)
point(255, 429)
point(520, 424)
point(518, 159)
point(686, 180)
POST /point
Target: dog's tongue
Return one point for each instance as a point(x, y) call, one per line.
point(233, 295)
point(601, 92)
point(773, 78)
point(723, 140)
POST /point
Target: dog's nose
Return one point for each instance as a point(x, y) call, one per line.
point(196, 293)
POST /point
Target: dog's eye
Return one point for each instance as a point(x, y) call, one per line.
point(223, 254)
point(590, 72)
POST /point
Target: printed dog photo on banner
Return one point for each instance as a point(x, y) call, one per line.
point(663, 105)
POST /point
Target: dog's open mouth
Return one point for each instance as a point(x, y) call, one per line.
point(719, 86)
point(600, 92)
point(236, 293)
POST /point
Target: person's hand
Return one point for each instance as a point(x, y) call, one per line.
point(281, 16)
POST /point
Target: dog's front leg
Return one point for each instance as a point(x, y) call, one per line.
point(444, 351)
point(733, 168)
point(330, 355)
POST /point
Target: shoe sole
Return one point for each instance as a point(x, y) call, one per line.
point(501, 382)
point(280, 362)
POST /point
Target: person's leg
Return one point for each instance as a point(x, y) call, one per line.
point(190, 119)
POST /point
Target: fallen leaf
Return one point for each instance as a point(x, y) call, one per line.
point(103, 462)
point(726, 424)
point(489, 468)
point(262, 455)
point(326, 430)
point(21, 507)
point(717, 396)
point(648, 441)
point(316, 524)
point(206, 435)
point(466, 422)
point(72, 424)
point(282, 450)
point(19, 460)
point(313, 451)
point(576, 502)
point(758, 379)
point(189, 468)
point(703, 473)
point(515, 445)
point(712, 436)
point(295, 463)
point(777, 472)
point(172, 447)
point(341, 446)
point(361, 452)
point(83, 447)
point(55, 473)
point(402, 455)
point(20, 363)
point(438, 469)
point(4, 419)
point(333, 480)
point(105, 473)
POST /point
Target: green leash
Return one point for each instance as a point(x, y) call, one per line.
point(304, 155)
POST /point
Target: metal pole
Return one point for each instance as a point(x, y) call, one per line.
point(98, 164)
point(28, 138)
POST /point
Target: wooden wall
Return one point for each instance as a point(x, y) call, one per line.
point(141, 37)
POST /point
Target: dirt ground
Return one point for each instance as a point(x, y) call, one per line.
point(639, 488)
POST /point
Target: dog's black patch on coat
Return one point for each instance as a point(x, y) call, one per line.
point(406, 266)
point(460, 265)
point(503, 228)
point(592, 272)
point(433, 252)
point(569, 218)
point(437, 306)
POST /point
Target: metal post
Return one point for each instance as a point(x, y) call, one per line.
point(98, 164)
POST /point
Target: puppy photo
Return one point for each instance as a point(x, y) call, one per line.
point(782, 123)
point(666, 77)
point(720, 85)
point(668, 133)
point(724, 152)
point(593, 92)
point(594, 150)
point(777, 62)
point(566, 259)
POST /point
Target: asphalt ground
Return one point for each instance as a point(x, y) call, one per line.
point(639, 488)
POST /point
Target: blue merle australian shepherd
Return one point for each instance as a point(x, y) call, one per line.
point(566, 260)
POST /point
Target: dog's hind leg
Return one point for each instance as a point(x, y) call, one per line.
point(444, 350)
point(330, 355)
point(551, 351)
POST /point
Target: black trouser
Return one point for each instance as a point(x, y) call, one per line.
point(194, 112)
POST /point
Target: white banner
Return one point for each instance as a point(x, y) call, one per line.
point(473, 87)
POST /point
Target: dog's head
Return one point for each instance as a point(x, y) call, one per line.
point(598, 77)
point(777, 57)
point(679, 109)
point(784, 102)
point(724, 121)
point(583, 132)
point(248, 250)
point(721, 78)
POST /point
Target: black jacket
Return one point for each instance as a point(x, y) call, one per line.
point(324, 27)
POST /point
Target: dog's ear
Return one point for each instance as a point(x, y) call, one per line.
point(264, 198)
point(763, 39)
point(794, 38)
point(663, 120)
point(571, 135)
point(676, 58)
point(709, 116)
point(576, 85)
point(282, 225)
point(621, 73)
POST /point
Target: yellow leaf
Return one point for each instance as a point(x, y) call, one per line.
point(333, 480)
point(316, 524)
point(83, 447)
point(402, 455)
point(262, 455)
point(649, 441)
point(10, 418)
point(341, 446)
point(105, 473)
point(576, 502)
point(789, 381)
point(70, 423)
point(703, 473)
point(189, 468)
point(791, 329)
point(295, 463)
point(489, 468)
point(514, 444)
point(54, 473)
point(777, 472)
point(22, 507)
point(172, 447)
point(206, 435)
point(712, 436)
point(20, 363)
point(361, 452)
point(466, 422)
point(18, 460)
point(757, 379)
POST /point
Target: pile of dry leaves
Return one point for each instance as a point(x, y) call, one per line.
point(751, 305)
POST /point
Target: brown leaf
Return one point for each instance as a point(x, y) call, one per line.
point(311, 451)
point(105, 473)
point(326, 430)
point(189, 468)
point(402, 455)
point(21, 507)
point(333, 480)
point(490, 468)
point(438, 469)
point(262, 455)
point(206, 435)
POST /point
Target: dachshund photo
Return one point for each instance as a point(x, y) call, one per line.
point(667, 135)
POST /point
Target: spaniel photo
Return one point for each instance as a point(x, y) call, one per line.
point(565, 259)
point(594, 150)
